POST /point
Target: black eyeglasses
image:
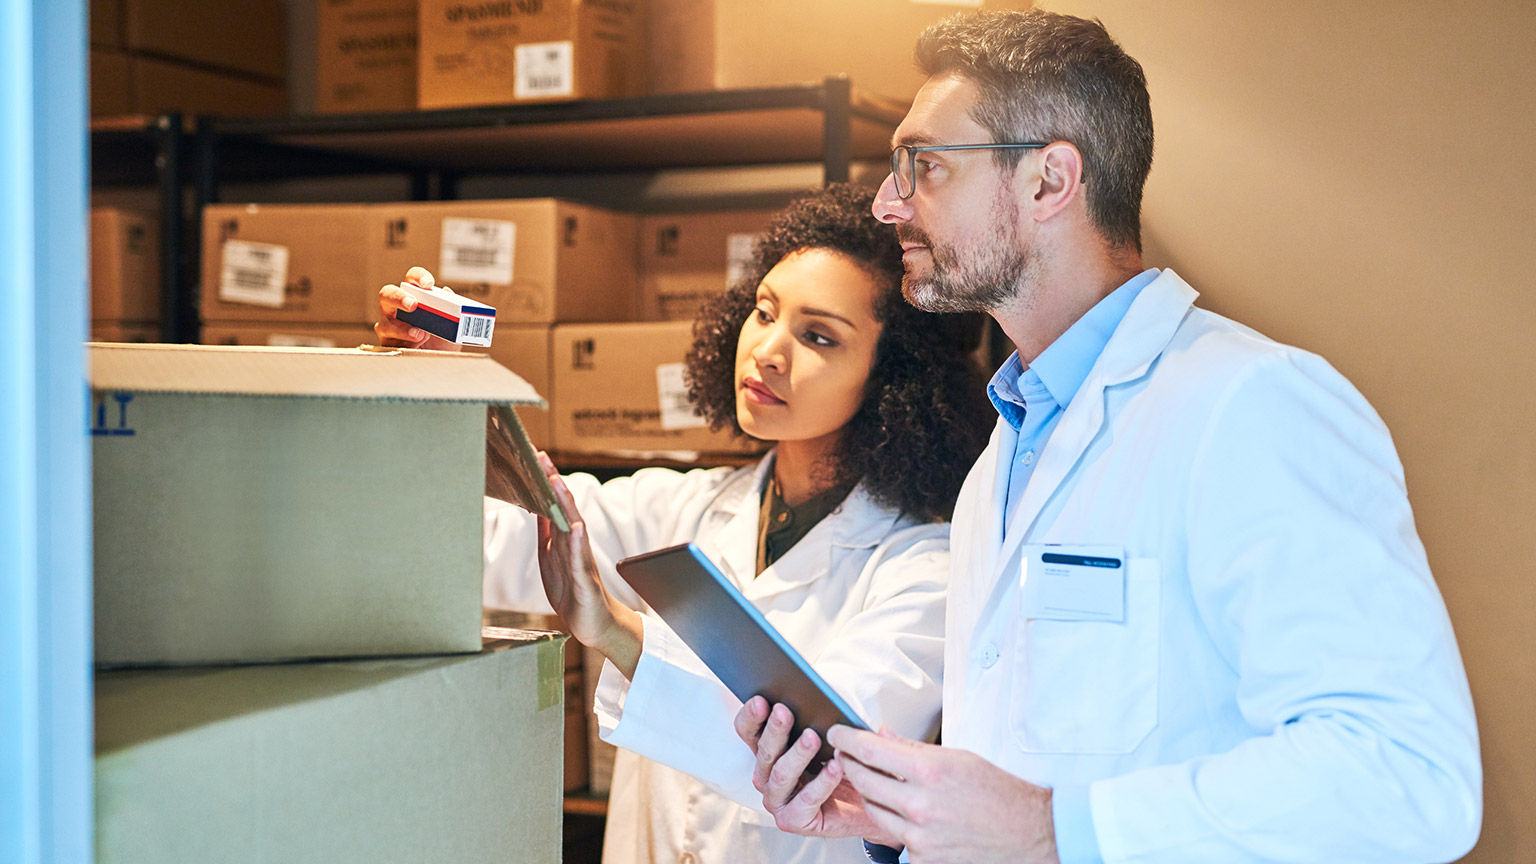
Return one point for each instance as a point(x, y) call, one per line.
point(904, 161)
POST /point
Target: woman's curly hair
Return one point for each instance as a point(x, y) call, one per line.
point(924, 418)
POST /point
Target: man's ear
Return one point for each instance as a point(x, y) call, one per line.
point(1060, 180)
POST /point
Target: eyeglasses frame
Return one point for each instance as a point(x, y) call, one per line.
point(912, 159)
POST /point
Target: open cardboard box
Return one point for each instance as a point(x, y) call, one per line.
point(259, 504)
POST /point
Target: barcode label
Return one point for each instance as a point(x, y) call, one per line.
point(253, 273)
point(476, 330)
point(544, 69)
point(677, 412)
point(477, 250)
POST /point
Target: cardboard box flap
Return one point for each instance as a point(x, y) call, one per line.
point(355, 373)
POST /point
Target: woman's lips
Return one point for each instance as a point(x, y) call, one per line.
point(758, 392)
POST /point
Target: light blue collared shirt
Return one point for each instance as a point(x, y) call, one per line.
point(1032, 401)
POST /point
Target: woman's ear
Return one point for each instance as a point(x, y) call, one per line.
point(1060, 180)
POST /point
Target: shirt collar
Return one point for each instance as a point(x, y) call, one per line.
point(1064, 365)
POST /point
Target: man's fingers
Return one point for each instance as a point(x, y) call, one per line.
point(772, 741)
point(393, 298)
point(389, 328)
point(887, 752)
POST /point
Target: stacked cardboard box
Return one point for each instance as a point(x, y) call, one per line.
point(151, 56)
point(238, 522)
point(366, 56)
point(718, 44)
point(125, 275)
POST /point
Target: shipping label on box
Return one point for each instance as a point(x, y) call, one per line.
point(367, 56)
point(413, 759)
point(536, 261)
point(237, 511)
point(529, 50)
point(619, 388)
point(687, 258)
point(287, 263)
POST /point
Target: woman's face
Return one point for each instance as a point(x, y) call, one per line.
point(805, 352)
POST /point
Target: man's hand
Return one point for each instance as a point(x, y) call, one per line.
point(824, 806)
point(398, 334)
point(946, 806)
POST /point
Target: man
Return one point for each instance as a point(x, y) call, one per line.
point(1190, 619)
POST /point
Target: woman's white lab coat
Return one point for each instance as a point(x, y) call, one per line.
point(861, 596)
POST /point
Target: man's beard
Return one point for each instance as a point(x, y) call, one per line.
point(976, 280)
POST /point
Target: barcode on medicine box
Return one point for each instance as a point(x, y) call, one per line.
point(466, 256)
point(478, 328)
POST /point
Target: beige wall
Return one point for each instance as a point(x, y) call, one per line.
point(1360, 179)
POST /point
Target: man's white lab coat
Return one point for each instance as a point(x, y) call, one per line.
point(861, 596)
point(1285, 684)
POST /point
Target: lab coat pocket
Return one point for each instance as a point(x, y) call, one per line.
point(1089, 686)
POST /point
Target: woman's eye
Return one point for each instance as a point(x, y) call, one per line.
point(764, 316)
point(819, 340)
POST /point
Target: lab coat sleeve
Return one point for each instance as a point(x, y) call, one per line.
point(625, 516)
point(1309, 575)
point(886, 660)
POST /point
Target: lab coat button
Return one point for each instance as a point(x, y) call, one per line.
point(685, 858)
point(1029, 458)
point(989, 657)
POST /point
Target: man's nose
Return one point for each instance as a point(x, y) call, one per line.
point(889, 206)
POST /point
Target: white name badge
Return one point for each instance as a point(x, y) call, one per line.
point(1074, 583)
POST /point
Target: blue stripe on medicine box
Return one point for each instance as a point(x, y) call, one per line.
point(448, 316)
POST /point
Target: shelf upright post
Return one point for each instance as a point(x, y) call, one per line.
point(836, 130)
point(170, 146)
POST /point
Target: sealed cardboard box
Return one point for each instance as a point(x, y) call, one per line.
point(687, 258)
point(287, 263)
point(162, 85)
point(526, 351)
point(111, 83)
point(619, 389)
point(292, 335)
point(718, 44)
point(404, 760)
point(243, 513)
point(125, 265)
point(577, 707)
point(536, 261)
point(246, 37)
point(530, 51)
point(366, 58)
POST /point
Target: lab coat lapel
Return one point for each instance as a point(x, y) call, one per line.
point(734, 547)
point(857, 523)
point(1142, 335)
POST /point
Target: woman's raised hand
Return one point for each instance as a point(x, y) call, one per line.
point(398, 334)
point(575, 589)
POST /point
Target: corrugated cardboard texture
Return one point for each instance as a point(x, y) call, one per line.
point(570, 262)
point(366, 59)
point(327, 277)
point(469, 52)
point(684, 259)
point(270, 526)
point(411, 760)
point(125, 265)
point(243, 37)
point(607, 398)
point(718, 44)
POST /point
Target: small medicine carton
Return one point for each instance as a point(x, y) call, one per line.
point(448, 316)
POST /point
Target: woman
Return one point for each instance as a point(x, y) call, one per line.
point(876, 413)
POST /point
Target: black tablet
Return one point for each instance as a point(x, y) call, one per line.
point(734, 639)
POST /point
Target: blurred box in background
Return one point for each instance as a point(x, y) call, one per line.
point(287, 335)
point(619, 388)
point(125, 266)
point(111, 77)
point(248, 37)
point(553, 50)
point(525, 350)
point(366, 57)
point(537, 260)
point(119, 331)
point(687, 258)
point(106, 23)
point(160, 86)
point(720, 44)
point(440, 759)
point(286, 263)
